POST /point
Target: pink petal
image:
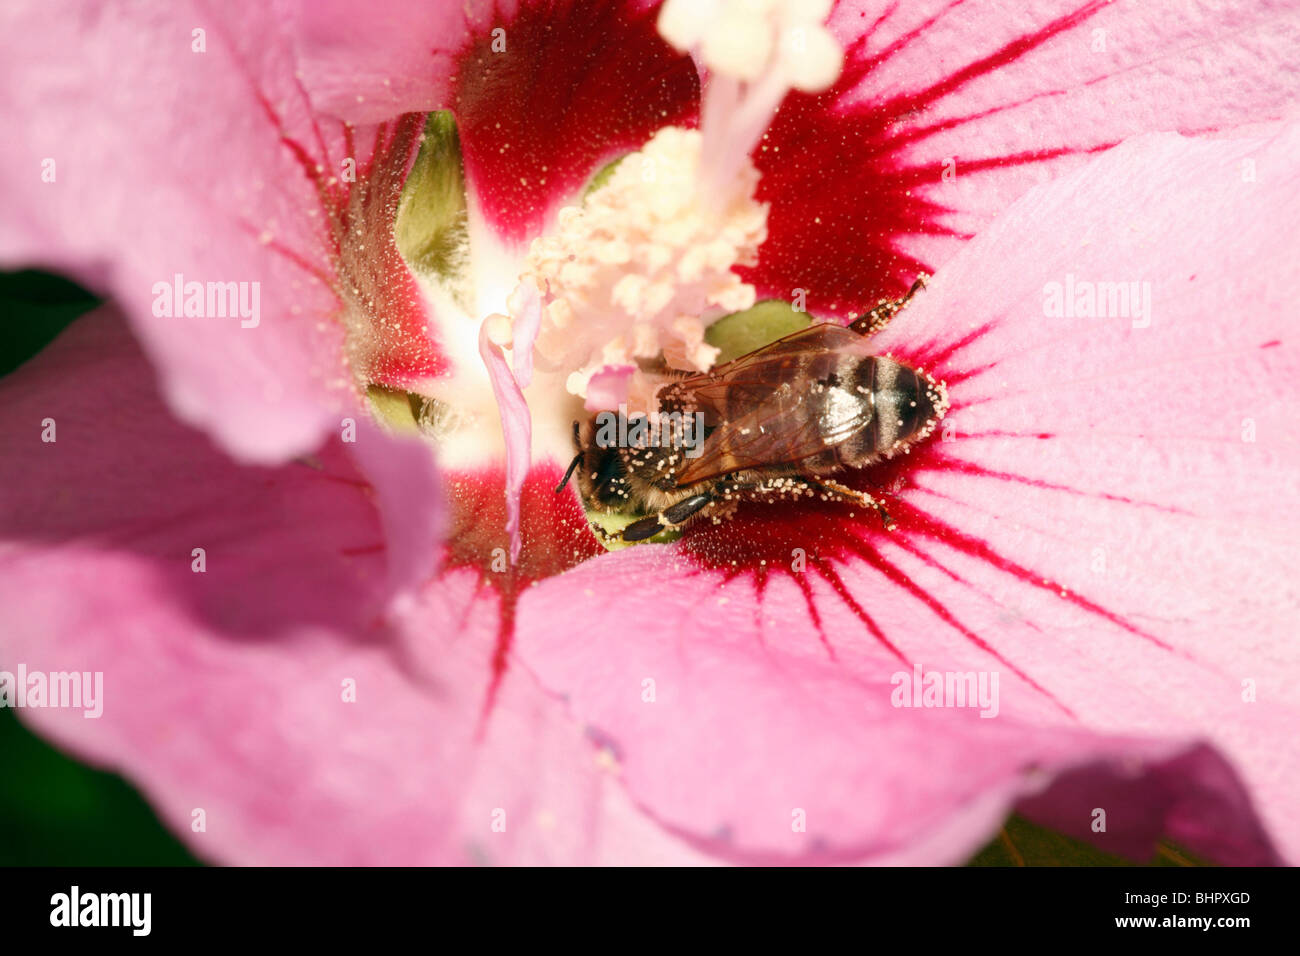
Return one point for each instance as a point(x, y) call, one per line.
point(223, 690)
point(369, 63)
point(1073, 439)
point(517, 426)
point(228, 177)
point(576, 85)
point(608, 387)
point(527, 312)
point(946, 112)
point(409, 496)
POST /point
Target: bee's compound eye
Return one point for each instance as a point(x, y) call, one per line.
point(609, 468)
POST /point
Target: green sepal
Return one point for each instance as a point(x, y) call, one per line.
point(761, 324)
point(394, 408)
point(432, 227)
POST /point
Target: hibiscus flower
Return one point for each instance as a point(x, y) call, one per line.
point(305, 524)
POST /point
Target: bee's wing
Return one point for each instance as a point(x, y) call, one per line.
point(744, 383)
point(753, 404)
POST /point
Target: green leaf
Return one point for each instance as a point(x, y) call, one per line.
point(55, 811)
point(37, 306)
point(1022, 843)
point(743, 332)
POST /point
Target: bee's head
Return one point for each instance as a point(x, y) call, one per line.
point(599, 469)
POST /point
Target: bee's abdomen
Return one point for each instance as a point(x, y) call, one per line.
point(901, 402)
point(894, 407)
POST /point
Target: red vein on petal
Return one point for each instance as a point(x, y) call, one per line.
point(878, 561)
point(363, 549)
point(1032, 156)
point(392, 343)
point(555, 538)
point(962, 466)
point(760, 591)
point(931, 561)
point(759, 541)
point(1007, 53)
point(827, 571)
point(806, 589)
point(832, 174)
point(919, 133)
point(915, 521)
point(968, 436)
point(293, 256)
point(856, 69)
point(923, 357)
point(508, 591)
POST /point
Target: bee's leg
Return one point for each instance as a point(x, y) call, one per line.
point(839, 492)
point(668, 518)
point(872, 322)
point(601, 533)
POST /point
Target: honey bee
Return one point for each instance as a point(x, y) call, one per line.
point(780, 421)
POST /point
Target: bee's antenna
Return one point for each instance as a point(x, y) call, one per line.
point(573, 466)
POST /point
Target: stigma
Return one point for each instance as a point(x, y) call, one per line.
point(750, 54)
